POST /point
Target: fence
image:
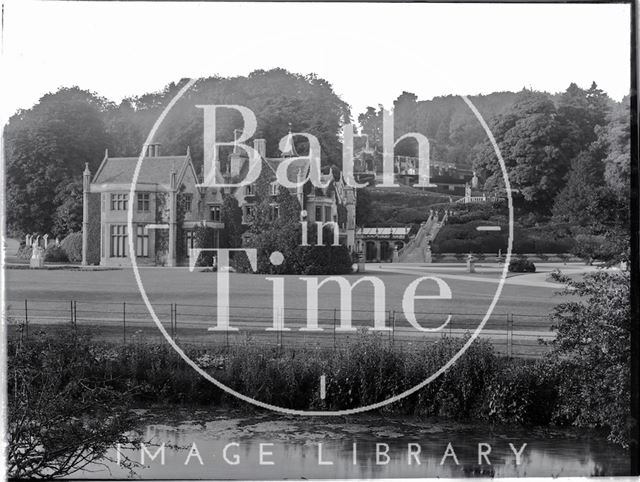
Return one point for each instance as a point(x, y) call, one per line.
point(511, 334)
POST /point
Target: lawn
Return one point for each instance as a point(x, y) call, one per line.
point(103, 292)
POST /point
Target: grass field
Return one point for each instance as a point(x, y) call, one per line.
point(185, 302)
point(471, 292)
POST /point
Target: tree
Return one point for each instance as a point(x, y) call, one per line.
point(579, 112)
point(231, 217)
point(363, 207)
point(405, 109)
point(278, 98)
point(592, 353)
point(47, 146)
point(616, 133)
point(579, 200)
point(595, 199)
point(371, 125)
point(62, 415)
point(530, 138)
point(68, 215)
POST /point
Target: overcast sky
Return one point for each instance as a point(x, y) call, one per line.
point(369, 52)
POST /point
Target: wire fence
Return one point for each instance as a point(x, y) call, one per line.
point(511, 334)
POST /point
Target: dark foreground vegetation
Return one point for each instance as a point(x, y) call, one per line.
point(69, 395)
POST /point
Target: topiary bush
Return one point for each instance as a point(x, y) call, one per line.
point(522, 265)
point(55, 254)
point(72, 247)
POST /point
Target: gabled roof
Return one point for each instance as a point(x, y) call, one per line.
point(153, 170)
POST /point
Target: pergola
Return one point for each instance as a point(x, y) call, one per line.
point(380, 243)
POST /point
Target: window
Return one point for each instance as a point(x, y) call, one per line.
point(142, 241)
point(119, 202)
point(189, 241)
point(188, 200)
point(248, 190)
point(215, 214)
point(327, 213)
point(318, 213)
point(119, 245)
point(248, 214)
point(274, 189)
point(143, 201)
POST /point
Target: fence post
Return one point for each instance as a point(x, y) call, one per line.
point(281, 334)
point(334, 329)
point(124, 322)
point(71, 312)
point(171, 322)
point(509, 335)
point(26, 320)
point(75, 313)
point(393, 328)
point(175, 320)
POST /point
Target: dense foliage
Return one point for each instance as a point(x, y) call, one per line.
point(47, 147)
point(72, 247)
point(49, 144)
point(522, 265)
point(64, 411)
point(55, 254)
point(592, 354)
point(269, 233)
point(204, 239)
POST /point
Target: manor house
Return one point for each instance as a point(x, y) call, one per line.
point(168, 204)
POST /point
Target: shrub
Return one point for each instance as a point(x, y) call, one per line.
point(521, 392)
point(55, 254)
point(72, 247)
point(204, 238)
point(24, 251)
point(61, 403)
point(592, 354)
point(522, 265)
point(319, 260)
point(459, 391)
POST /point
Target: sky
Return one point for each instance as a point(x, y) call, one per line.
point(370, 53)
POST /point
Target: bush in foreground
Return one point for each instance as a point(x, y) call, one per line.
point(63, 411)
point(592, 354)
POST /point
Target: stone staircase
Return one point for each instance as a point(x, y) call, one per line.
point(416, 250)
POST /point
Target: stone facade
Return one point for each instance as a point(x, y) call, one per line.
point(154, 210)
point(159, 218)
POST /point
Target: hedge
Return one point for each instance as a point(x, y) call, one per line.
point(72, 247)
point(55, 254)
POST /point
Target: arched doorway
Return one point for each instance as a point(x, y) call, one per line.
point(386, 251)
point(371, 251)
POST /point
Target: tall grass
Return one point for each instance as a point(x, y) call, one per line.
point(480, 385)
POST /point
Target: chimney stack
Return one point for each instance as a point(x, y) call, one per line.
point(260, 145)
